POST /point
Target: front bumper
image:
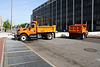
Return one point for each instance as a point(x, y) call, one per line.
point(16, 36)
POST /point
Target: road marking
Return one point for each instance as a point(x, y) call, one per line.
point(20, 56)
point(24, 63)
point(40, 55)
point(2, 53)
point(18, 51)
point(98, 59)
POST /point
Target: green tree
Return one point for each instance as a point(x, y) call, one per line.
point(23, 25)
point(6, 24)
point(18, 26)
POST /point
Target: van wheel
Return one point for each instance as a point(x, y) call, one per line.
point(49, 36)
point(23, 37)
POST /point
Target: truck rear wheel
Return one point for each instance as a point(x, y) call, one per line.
point(82, 36)
point(49, 36)
point(71, 35)
point(23, 37)
point(86, 35)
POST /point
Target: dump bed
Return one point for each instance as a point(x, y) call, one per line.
point(77, 29)
point(46, 29)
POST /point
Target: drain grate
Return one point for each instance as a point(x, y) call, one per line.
point(90, 50)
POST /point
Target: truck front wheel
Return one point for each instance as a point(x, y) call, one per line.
point(49, 36)
point(23, 37)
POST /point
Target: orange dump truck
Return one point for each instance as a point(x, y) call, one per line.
point(78, 30)
point(32, 30)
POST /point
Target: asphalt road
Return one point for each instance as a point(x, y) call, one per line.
point(65, 52)
point(93, 40)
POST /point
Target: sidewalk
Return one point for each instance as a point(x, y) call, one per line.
point(5, 35)
point(17, 54)
point(66, 34)
point(94, 36)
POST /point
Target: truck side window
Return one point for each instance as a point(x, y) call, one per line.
point(27, 26)
point(32, 25)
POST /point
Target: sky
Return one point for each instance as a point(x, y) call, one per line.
point(22, 10)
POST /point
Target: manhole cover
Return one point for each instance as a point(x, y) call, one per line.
point(90, 50)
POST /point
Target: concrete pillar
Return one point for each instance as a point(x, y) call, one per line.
point(66, 14)
point(61, 15)
point(52, 12)
point(92, 15)
point(73, 12)
point(56, 12)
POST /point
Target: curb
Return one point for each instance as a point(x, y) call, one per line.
point(1, 50)
point(93, 36)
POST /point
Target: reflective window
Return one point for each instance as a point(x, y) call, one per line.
point(87, 13)
point(58, 14)
point(32, 25)
point(77, 13)
point(26, 25)
point(63, 15)
point(70, 12)
point(96, 15)
point(54, 13)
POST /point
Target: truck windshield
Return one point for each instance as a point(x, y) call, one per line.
point(26, 25)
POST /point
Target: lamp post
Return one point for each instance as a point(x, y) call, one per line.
point(11, 14)
point(1, 23)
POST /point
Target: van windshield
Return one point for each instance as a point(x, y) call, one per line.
point(26, 25)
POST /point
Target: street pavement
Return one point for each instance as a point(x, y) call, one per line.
point(59, 52)
point(6, 35)
point(65, 52)
point(92, 40)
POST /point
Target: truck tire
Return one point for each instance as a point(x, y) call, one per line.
point(70, 35)
point(43, 37)
point(82, 36)
point(23, 37)
point(49, 36)
point(86, 35)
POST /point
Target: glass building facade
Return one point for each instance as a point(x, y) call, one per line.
point(63, 13)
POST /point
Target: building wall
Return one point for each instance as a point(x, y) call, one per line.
point(96, 15)
point(68, 12)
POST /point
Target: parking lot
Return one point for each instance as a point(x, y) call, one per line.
point(65, 52)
